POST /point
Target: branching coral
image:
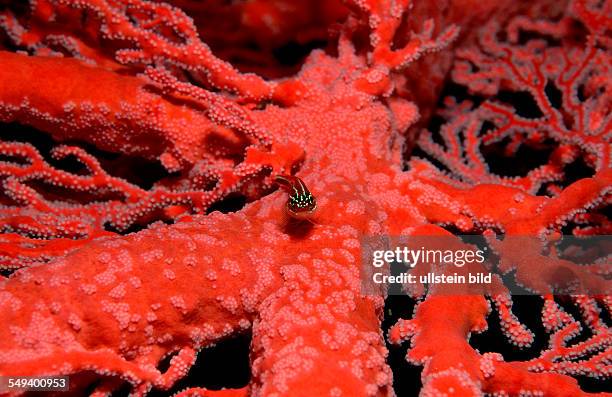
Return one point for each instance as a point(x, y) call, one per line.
point(575, 128)
point(134, 78)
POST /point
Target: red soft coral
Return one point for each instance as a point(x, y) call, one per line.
point(133, 77)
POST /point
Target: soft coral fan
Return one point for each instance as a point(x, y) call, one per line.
point(569, 83)
point(113, 307)
point(215, 141)
point(130, 301)
point(540, 58)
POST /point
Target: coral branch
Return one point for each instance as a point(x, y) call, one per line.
point(115, 113)
point(139, 222)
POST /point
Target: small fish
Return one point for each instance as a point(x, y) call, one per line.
point(301, 204)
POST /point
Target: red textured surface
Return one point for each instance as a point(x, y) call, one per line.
point(106, 276)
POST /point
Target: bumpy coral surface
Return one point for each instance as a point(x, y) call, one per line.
point(140, 224)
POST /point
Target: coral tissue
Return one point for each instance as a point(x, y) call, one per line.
point(140, 222)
